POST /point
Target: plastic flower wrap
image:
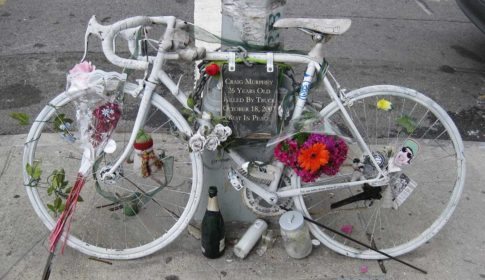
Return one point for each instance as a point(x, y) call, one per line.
point(311, 121)
point(312, 155)
point(79, 76)
point(105, 118)
point(98, 109)
point(96, 95)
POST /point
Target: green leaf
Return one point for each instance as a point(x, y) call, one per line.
point(68, 190)
point(62, 207)
point(29, 169)
point(301, 138)
point(37, 171)
point(51, 207)
point(50, 190)
point(54, 181)
point(22, 118)
point(34, 170)
point(190, 102)
point(57, 202)
point(61, 175)
point(407, 123)
point(80, 199)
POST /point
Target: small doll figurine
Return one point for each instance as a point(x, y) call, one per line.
point(145, 161)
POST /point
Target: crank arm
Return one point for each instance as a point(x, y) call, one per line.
point(269, 197)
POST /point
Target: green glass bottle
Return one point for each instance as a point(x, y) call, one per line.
point(213, 232)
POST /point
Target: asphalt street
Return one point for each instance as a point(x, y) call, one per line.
point(427, 45)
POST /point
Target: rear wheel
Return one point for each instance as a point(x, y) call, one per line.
point(437, 173)
point(127, 215)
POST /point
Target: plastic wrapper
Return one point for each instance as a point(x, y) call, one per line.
point(311, 121)
point(97, 111)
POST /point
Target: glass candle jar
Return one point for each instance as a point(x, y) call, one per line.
point(295, 234)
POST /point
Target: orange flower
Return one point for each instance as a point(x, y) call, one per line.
point(313, 157)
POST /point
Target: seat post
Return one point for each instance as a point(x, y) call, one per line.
point(317, 51)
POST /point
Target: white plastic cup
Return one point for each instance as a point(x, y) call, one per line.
point(250, 238)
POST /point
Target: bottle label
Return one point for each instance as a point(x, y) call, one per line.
point(222, 244)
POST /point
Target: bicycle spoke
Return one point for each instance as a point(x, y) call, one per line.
point(398, 229)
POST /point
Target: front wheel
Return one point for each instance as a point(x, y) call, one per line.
point(388, 117)
point(127, 215)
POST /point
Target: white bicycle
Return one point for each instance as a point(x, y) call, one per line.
point(125, 216)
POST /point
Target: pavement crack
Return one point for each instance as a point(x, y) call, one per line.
point(215, 270)
point(7, 163)
point(23, 256)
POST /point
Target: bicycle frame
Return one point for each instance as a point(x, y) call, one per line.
point(158, 75)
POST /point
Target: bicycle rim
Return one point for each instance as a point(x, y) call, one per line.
point(438, 170)
point(100, 227)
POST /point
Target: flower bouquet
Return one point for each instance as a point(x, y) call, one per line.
point(310, 154)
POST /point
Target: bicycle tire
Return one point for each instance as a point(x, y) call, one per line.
point(108, 233)
point(438, 169)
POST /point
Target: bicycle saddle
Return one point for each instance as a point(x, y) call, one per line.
point(325, 26)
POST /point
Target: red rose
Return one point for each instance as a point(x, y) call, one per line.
point(212, 69)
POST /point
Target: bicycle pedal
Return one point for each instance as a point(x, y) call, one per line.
point(257, 172)
point(234, 179)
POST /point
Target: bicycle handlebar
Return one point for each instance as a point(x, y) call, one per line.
point(107, 34)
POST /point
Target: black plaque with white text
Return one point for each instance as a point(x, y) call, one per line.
point(249, 100)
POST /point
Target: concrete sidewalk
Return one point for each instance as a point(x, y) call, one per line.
point(457, 252)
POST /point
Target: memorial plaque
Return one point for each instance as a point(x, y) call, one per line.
point(249, 100)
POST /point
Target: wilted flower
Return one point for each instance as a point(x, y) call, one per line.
point(83, 67)
point(222, 132)
point(196, 142)
point(79, 75)
point(211, 142)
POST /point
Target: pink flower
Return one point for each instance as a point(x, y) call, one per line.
point(83, 67)
point(79, 75)
point(364, 268)
point(347, 229)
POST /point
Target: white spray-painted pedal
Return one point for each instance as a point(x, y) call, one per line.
point(234, 179)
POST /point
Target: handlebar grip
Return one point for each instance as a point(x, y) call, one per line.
point(108, 43)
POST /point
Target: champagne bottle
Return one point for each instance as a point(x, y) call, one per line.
point(213, 232)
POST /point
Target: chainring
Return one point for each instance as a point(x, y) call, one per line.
point(262, 208)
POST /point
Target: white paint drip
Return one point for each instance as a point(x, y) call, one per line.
point(424, 7)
